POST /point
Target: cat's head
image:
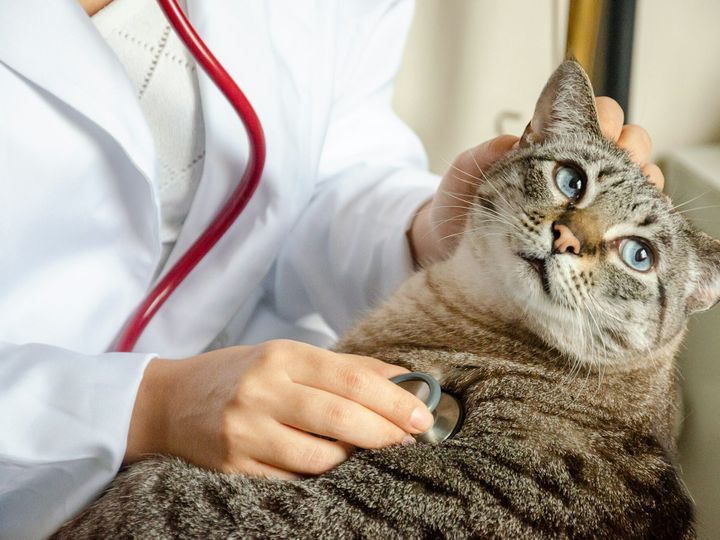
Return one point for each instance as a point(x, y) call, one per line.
point(574, 237)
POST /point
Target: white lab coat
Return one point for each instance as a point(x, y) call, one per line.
point(79, 218)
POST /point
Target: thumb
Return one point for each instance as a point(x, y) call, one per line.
point(433, 235)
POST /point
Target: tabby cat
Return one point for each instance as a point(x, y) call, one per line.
point(555, 322)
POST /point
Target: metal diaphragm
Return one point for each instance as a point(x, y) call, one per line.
point(445, 408)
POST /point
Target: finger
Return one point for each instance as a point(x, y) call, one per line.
point(345, 376)
point(333, 416)
point(263, 470)
point(654, 175)
point(317, 356)
point(636, 141)
point(289, 449)
point(610, 116)
point(383, 369)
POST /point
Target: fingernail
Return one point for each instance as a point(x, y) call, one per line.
point(408, 440)
point(421, 419)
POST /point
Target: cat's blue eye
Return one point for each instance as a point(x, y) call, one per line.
point(570, 182)
point(637, 254)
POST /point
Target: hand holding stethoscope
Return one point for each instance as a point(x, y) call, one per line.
point(253, 409)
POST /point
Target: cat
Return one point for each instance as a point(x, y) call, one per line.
point(555, 322)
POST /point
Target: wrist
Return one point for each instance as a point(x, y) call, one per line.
point(421, 238)
point(148, 433)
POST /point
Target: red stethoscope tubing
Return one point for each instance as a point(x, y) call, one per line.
point(237, 201)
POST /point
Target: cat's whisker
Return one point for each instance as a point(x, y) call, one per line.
point(494, 211)
point(687, 210)
point(586, 336)
point(691, 200)
point(453, 166)
point(507, 216)
point(469, 207)
point(600, 337)
point(466, 198)
point(453, 206)
point(474, 182)
point(593, 305)
point(447, 220)
point(472, 204)
point(582, 362)
point(576, 362)
point(485, 234)
point(604, 311)
point(591, 359)
point(487, 181)
point(497, 217)
point(490, 218)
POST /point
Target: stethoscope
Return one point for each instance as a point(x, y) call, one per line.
point(237, 201)
point(446, 409)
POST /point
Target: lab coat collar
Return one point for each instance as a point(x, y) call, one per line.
point(82, 72)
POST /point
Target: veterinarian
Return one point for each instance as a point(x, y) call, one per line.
point(115, 153)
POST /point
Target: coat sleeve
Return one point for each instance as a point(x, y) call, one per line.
point(64, 418)
point(349, 248)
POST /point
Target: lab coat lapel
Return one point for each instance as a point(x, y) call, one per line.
point(234, 270)
point(82, 72)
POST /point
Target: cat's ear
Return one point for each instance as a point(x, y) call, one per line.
point(566, 105)
point(706, 291)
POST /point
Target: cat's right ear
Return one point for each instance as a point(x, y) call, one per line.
point(706, 284)
point(566, 105)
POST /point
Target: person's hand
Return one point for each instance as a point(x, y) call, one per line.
point(437, 225)
point(254, 409)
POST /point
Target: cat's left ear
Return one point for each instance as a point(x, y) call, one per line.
point(707, 283)
point(566, 105)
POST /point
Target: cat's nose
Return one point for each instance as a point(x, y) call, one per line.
point(565, 240)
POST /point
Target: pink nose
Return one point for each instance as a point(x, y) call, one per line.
point(565, 240)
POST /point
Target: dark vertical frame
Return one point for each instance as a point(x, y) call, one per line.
point(620, 18)
point(600, 35)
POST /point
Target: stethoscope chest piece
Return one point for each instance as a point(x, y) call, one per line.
point(446, 408)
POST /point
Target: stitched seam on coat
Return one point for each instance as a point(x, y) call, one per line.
point(155, 60)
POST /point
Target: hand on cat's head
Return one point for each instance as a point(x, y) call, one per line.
point(437, 226)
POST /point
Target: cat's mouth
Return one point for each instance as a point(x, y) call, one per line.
point(540, 266)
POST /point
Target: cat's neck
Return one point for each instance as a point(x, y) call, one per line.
point(443, 307)
point(431, 310)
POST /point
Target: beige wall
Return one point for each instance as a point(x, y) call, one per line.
point(675, 90)
point(474, 67)
point(470, 64)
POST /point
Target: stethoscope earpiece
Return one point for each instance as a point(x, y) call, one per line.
point(446, 408)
